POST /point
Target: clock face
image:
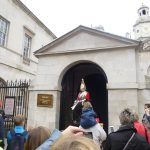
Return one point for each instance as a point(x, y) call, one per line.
point(145, 29)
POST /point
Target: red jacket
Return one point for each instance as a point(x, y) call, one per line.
point(142, 130)
point(81, 97)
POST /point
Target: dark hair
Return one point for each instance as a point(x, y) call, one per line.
point(147, 105)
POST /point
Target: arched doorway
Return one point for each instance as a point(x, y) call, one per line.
point(95, 80)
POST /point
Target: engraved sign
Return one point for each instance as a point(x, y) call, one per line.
point(9, 105)
point(45, 100)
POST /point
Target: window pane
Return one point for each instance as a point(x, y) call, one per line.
point(27, 46)
point(3, 31)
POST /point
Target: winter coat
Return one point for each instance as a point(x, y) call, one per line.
point(146, 121)
point(2, 132)
point(142, 130)
point(2, 128)
point(88, 118)
point(117, 140)
point(2, 113)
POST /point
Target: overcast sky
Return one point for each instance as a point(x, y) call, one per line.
point(61, 16)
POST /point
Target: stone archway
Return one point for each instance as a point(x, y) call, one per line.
point(95, 79)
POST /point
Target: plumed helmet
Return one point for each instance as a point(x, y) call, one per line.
point(82, 86)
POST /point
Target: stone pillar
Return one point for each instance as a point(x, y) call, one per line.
point(43, 116)
point(118, 99)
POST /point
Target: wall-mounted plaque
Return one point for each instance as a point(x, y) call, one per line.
point(9, 105)
point(45, 100)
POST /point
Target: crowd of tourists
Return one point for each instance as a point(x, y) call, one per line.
point(88, 134)
point(131, 135)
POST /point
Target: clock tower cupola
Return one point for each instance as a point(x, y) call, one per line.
point(141, 27)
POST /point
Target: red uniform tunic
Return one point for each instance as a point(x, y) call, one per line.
point(83, 96)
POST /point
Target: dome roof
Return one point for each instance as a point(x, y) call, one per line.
point(143, 12)
point(143, 6)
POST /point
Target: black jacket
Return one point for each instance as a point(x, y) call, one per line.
point(2, 113)
point(117, 140)
point(2, 128)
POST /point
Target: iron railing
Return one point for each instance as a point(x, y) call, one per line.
point(15, 98)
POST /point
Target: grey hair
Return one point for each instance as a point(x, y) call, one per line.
point(126, 117)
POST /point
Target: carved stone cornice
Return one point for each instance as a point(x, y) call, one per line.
point(146, 45)
point(28, 12)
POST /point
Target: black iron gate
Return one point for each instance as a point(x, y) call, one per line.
point(15, 98)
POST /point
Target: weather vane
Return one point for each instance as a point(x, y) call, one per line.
point(142, 1)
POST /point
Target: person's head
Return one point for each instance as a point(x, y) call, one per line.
point(72, 142)
point(86, 105)
point(19, 120)
point(146, 106)
point(126, 117)
point(36, 137)
point(136, 117)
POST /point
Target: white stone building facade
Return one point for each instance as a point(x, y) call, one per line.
point(21, 33)
point(116, 71)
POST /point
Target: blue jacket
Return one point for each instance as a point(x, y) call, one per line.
point(49, 142)
point(88, 118)
point(148, 117)
point(18, 129)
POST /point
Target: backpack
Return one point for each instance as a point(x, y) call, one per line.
point(17, 141)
